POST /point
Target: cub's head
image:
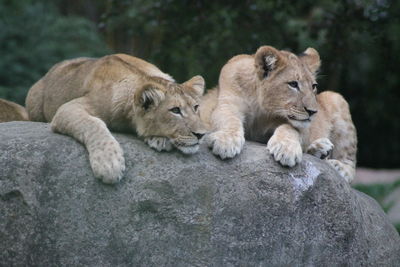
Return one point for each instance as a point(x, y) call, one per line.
point(167, 109)
point(287, 84)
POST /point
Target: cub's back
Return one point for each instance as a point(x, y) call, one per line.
point(71, 79)
point(62, 83)
point(144, 66)
point(75, 78)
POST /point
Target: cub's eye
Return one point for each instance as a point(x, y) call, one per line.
point(315, 86)
point(196, 107)
point(176, 110)
point(294, 84)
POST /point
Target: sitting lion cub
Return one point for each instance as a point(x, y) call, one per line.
point(84, 96)
point(272, 96)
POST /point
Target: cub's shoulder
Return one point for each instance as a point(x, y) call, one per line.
point(332, 101)
point(238, 67)
point(330, 95)
point(242, 57)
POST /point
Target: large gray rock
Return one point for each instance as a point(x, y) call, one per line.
point(177, 210)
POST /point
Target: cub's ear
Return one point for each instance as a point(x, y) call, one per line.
point(149, 95)
point(311, 57)
point(197, 83)
point(267, 59)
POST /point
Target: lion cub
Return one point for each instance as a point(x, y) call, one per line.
point(10, 111)
point(84, 97)
point(272, 96)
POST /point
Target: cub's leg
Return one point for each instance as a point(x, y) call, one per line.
point(285, 145)
point(317, 136)
point(345, 168)
point(228, 139)
point(105, 154)
point(320, 148)
point(344, 138)
point(342, 134)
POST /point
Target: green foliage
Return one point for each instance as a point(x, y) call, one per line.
point(378, 191)
point(34, 37)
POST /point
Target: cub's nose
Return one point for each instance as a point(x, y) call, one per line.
point(311, 111)
point(198, 135)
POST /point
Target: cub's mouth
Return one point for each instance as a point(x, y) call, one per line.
point(294, 118)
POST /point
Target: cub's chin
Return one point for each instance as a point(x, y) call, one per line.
point(188, 149)
point(299, 124)
point(186, 145)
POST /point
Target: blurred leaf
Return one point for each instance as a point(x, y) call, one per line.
point(34, 37)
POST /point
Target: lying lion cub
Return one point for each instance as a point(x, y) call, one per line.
point(273, 95)
point(84, 96)
point(10, 111)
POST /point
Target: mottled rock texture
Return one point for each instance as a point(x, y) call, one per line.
point(177, 210)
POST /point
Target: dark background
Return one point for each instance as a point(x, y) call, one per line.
point(358, 40)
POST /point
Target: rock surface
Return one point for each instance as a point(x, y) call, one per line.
point(177, 210)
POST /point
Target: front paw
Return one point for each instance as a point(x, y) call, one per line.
point(286, 151)
point(320, 148)
point(158, 143)
point(346, 171)
point(225, 144)
point(107, 161)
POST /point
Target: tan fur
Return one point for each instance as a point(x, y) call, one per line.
point(84, 97)
point(10, 111)
point(256, 99)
